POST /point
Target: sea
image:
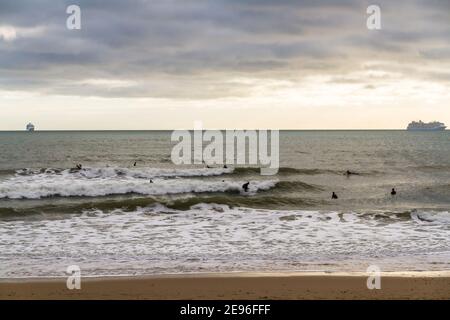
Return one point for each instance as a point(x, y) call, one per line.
point(114, 218)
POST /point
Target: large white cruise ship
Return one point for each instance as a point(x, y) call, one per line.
point(423, 126)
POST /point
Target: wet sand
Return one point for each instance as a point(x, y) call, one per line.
point(415, 285)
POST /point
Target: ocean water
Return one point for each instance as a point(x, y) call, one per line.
point(110, 220)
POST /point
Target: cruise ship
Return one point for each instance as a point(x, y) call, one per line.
point(30, 127)
point(423, 126)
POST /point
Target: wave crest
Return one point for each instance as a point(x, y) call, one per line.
point(66, 185)
point(138, 173)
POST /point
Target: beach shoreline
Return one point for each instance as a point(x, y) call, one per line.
point(239, 285)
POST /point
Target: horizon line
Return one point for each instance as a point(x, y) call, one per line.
point(203, 129)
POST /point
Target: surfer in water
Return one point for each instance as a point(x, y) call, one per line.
point(134, 165)
point(334, 196)
point(79, 166)
point(245, 186)
point(348, 173)
point(393, 192)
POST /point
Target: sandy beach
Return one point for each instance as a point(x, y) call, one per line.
point(415, 285)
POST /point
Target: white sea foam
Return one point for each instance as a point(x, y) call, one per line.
point(91, 183)
point(442, 217)
point(213, 237)
point(135, 172)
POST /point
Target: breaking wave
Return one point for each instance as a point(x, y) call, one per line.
point(138, 173)
point(95, 182)
point(42, 186)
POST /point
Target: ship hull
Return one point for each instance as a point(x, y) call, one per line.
point(426, 129)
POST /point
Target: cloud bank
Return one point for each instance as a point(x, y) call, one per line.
point(215, 49)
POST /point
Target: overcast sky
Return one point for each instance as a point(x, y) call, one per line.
point(283, 64)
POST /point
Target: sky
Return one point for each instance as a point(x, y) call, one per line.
point(236, 64)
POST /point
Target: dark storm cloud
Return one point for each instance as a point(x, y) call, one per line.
point(191, 48)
